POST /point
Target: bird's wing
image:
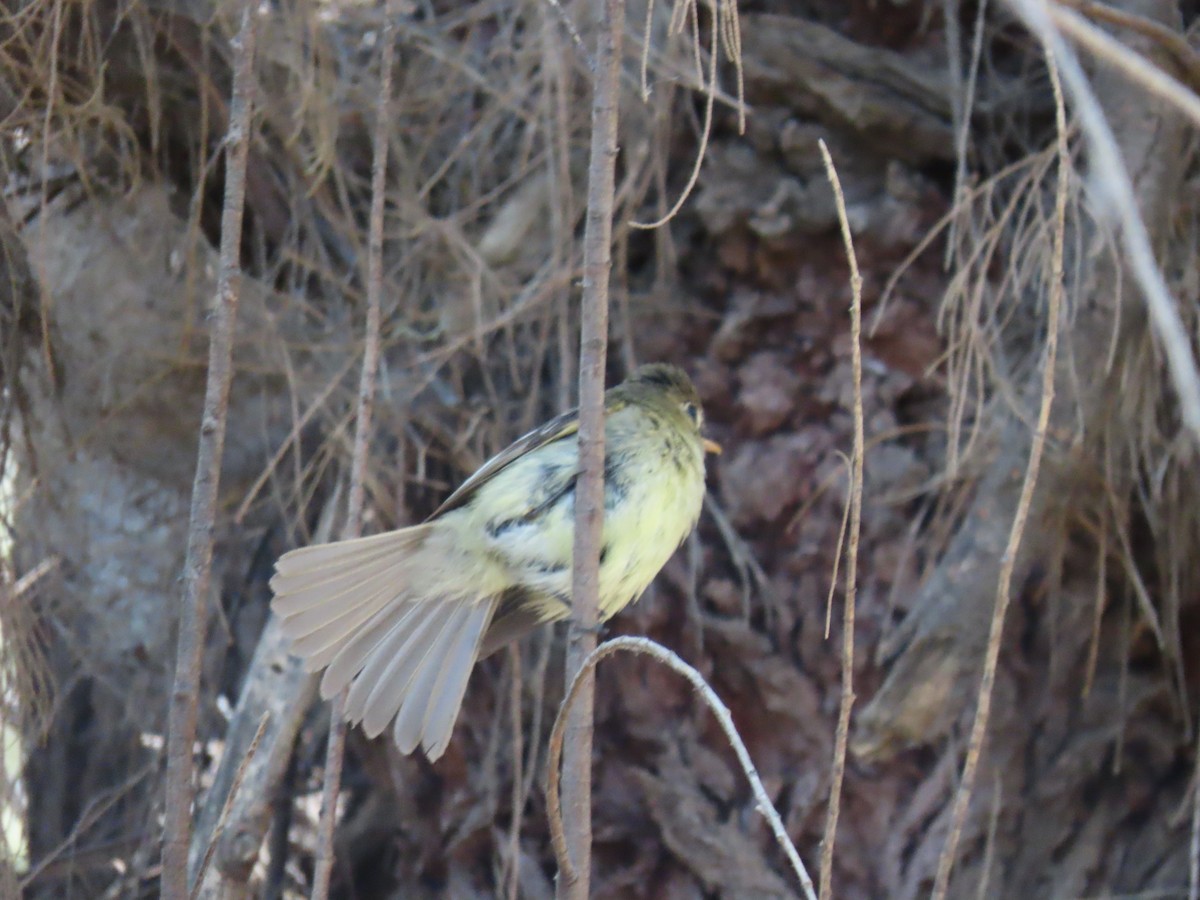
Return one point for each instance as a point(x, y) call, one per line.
point(555, 430)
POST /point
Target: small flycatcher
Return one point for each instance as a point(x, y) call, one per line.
point(401, 617)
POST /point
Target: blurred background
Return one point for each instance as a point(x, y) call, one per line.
point(940, 118)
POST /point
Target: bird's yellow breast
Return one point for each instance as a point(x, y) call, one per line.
point(522, 520)
point(654, 488)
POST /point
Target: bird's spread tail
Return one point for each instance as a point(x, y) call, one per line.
point(363, 611)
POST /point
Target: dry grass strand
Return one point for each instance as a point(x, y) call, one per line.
point(726, 34)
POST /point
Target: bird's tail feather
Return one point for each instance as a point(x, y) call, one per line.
point(362, 610)
point(430, 699)
point(441, 708)
point(338, 554)
point(326, 593)
point(318, 576)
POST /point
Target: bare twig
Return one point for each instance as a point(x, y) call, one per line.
point(569, 24)
point(710, 89)
point(649, 648)
point(1175, 43)
point(1114, 187)
point(299, 422)
point(323, 866)
point(962, 796)
point(370, 367)
point(726, 30)
point(1093, 656)
point(27, 582)
point(589, 492)
point(198, 880)
point(537, 683)
point(185, 690)
point(989, 848)
point(856, 489)
point(1132, 65)
point(963, 101)
point(1194, 843)
point(96, 807)
point(277, 686)
point(518, 796)
point(841, 542)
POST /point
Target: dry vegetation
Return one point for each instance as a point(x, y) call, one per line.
point(113, 116)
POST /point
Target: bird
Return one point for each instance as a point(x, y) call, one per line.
point(400, 618)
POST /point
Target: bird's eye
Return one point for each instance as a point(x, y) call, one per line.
point(693, 412)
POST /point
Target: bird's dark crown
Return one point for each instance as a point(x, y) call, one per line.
point(671, 378)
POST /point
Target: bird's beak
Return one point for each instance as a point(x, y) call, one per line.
point(711, 446)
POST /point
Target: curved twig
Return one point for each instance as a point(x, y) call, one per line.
point(668, 658)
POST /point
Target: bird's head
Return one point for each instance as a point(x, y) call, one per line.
point(668, 388)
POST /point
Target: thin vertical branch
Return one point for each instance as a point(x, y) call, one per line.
point(1194, 843)
point(323, 864)
point(963, 100)
point(518, 777)
point(989, 848)
point(197, 570)
point(838, 774)
point(589, 491)
point(52, 96)
point(962, 796)
point(223, 819)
